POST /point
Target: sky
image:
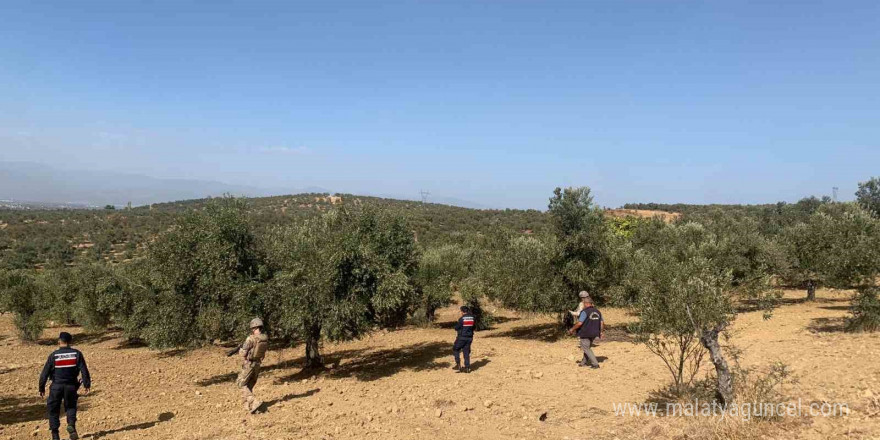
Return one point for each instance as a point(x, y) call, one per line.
point(491, 101)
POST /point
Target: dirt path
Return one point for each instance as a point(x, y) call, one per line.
point(401, 384)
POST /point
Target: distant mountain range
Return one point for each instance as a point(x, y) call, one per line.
point(33, 184)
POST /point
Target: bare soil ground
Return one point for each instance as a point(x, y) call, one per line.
point(400, 384)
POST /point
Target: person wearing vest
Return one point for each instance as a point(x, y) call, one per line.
point(465, 335)
point(252, 352)
point(64, 367)
point(590, 326)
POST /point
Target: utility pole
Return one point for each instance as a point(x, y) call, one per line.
point(424, 195)
point(834, 194)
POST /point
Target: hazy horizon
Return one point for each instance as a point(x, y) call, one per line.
point(493, 103)
point(46, 184)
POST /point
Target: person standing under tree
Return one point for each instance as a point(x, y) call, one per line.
point(465, 335)
point(252, 351)
point(590, 326)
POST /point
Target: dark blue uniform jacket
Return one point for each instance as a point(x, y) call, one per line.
point(465, 327)
point(64, 367)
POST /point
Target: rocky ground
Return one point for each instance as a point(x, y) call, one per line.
point(400, 384)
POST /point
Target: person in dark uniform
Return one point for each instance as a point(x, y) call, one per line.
point(64, 367)
point(465, 329)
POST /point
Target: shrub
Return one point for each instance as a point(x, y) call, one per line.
point(865, 311)
point(22, 295)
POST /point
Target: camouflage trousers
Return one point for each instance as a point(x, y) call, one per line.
point(247, 378)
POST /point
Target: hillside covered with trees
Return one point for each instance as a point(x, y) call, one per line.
point(320, 268)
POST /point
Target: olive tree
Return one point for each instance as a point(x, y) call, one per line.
point(22, 294)
point(688, 295)
point(543, 272)
point(868, 196)
point(442, 271)
point(342, 274)
point(522, 273)
point(583, 238)
point(837, 246)
point(201, 279)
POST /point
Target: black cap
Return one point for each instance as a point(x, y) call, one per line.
point(465, 309)
point(65, 337)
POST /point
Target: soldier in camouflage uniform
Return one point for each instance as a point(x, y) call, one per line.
point(252, 352)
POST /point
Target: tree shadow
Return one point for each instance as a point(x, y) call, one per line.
point(20, 410)
point(496, 320)
point(268, 404)
point(827, 325)
point(130, 343)
point(546, 332)
point(553, 332)
point(384, 363)
point(662, 399)
point(617, 333)
point(844, 308)
point(164, 417)
point(331, 359)
point(179, 352)
point(754, 305)
point(83, 338)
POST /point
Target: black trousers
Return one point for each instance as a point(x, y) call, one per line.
point(462, 346)
point(57, 394)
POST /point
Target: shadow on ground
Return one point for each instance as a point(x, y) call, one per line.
point(29, 409)
point(496, 320)
point(20, 410)
point(164, 417)
point(331, 359)
point(270, 403)
point(546, 332)
point(126, 344)
point(83, 338)
point(479, 364)
point(384, 363)
point(552, 332)
point(827, 325)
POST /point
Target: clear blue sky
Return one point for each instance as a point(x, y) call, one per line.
point(494, 101)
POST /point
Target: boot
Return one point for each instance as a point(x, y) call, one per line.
point(457, 367)
point(55, 435)
point(71, 431)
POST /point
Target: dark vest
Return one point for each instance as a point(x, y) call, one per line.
point(592, 326)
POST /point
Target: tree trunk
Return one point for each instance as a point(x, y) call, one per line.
point(724, 387)
point(811, 290)
point(430, 312)
point(313, 355)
